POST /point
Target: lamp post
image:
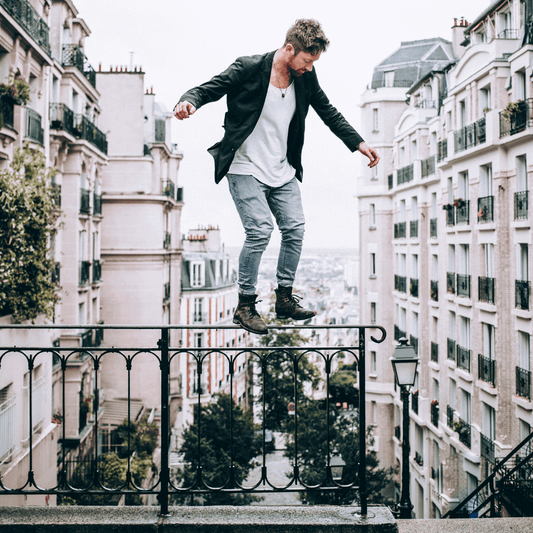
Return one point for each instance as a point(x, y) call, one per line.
point(404, 362)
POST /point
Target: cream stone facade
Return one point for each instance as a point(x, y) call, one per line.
point(445, 245)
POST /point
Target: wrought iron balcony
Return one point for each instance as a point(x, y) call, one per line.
point(521, 205)
point(428, 166)
point(434, 290)
point(463, 285)
point(87, 131)
point(464, 432)
point(413, 288)
point(158, 358)
point(426, 104)
point(485, 209)
point(97, 271)
point(486, 290)
point(85, 273)
point(522, 294)
point(398, 333)
point(450, 413)
point(442, 150)
point(167, 241)
point(85, 202)
point(97, 204)
point(452, 350)
point(464, 355)
point(405, 174)
point(462, 211)
point(73, 56)
point(470, 136)
point(26, 15)
point(413, 228)
point(487, 448)
point(400, 283)
point(169, 189)
point(434, 352)
point(450, 214)
point(486, 369)
point(517, 119)
point(523, 383)
point(34, 129)
point(433, 227)
point(63, 118)
point(450, 282)
point(435, 413)
point(509, 34)
point(400, 230)
point(414, 401)
point(7, 111)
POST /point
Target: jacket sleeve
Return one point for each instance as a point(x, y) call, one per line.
point(218, 86)
point(333, 119)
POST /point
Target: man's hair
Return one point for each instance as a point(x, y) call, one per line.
point(306, 35)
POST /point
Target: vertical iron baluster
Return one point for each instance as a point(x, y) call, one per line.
point(165, 421)
point(264, 374)
point(296, 469)
point(64, 429)
point(231, 465)
point(96, 404)
point(362, 422)
point(128, 471)
point(329, 476)
point(31, 477)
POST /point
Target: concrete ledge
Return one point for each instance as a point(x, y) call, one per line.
point(472, 525)
point(222, 519)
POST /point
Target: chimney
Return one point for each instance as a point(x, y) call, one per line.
point(458, 28)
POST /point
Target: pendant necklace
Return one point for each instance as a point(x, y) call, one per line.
point(277, 77)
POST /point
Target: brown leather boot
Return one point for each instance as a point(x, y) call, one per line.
point(247, 316)
point(287, 305)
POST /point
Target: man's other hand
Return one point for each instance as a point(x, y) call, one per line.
point(369, 152)
point(184, 110)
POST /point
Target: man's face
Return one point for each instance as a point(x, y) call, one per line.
point(302, 63)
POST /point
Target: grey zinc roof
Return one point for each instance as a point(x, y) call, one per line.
point(404, 55)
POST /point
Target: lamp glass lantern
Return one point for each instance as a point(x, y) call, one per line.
point(337, 466)
point(404, 363)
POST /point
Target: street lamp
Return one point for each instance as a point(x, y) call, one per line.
point(337, 466)
point(404, 362)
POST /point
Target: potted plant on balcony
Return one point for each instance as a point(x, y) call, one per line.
point(459, 203)
point(511, 111)
point(447, 207)
point(16, 89)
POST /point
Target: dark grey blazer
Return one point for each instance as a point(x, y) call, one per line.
point(245, 82)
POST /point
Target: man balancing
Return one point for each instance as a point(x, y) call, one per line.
point(268, 97)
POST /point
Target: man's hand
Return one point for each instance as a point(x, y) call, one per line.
point(184, 110)
point(370, 153)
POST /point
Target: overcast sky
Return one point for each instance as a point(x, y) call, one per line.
point(182, 44)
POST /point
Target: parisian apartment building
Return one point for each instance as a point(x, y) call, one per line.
point(445, 242)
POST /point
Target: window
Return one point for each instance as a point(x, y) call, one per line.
point(521, 173)
point(464, 259)
point(451, 258)
point(7, 423)
point(522, 260)
point(372, 215)
point(95, 255)
point(488, 254)
point(520, 85)
point(488, 421)
point(450, 190)
point(464, 332)
point(464, 186)
point(375, 119)
point(198, 340)
point(485, 178)
point(488, 340)
point(434, 211)
point(466, 406)
point(435, 267)
point(373, 312)
point(82, 314)
point(451, 325)
point(414, 151)
point(389, 78)
point(414, 265)
point(484, 100)
point(524, 350)
point(414, 208)
point(83, 245)
point(197, 274)
point(373, 362)
point(462, 114)
point(373, 264)
point(453, 393)
point(198, 305)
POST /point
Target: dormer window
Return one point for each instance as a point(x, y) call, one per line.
point(197, 274)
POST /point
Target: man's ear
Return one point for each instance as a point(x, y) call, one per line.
point(290, 49)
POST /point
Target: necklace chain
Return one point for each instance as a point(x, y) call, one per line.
point(277, 77)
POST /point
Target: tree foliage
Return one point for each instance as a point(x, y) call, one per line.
point(217, 448)
point(342, 387)
point(28, 216)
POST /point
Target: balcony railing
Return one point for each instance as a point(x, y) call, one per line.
point(426, 104)
point(486, 290)
point(521, 205)
point(522, 294)
point(413, 228)
point(442, 150)
point(517, 120)
point(452, 350)
point(509, 34)
point(435, 413)
point(464, 355)
point(434, 290)
point(464, 431)
point(487, 448)
point(157, 359)
point(450, 215)
point(413, 288)
point(169, 189)
point(63, 118)
point(26, 15)
point(450, 282)
point(428, 166)
point(97, 204)
point(405, 174)
point(400, 230)
point(470, 136)
point(462, 212)
point(97, 271)
point(486, 369)
point(400, 283)
point(85, 202)
point(523, 383)
point(34, 129)
point(73, 56)
point(7, 112)
point(485, 209)
point(434, 352)
point(463, 285)
point(87, 131)
point(433, 227)
point(85, 273)
point(450, 413)
point(398, 333)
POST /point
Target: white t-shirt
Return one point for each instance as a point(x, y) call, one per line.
point(264, 153)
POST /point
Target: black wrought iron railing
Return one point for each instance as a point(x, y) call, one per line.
point(97, 204)
point(428, 166)
point(464, 356)
point(522, 290)
point(87, 131)
point(413, 287)
point(523, 383)
point(450, 413)
point(85, 201)
point(463, 285)
point(413, 228)
point(517, 118)
point(434, 352)
point(487, 448)
point(399, 333)
point(426, 104)
point(84, 273)
point(435, 413)
point(34, 129)
point(464, 432)
point(7, 112)
point(485, 209)
point(452, 350)
point(169, 189)
point(450, 215)
point(486, 369)
point(163, 358)
point(450, 282)
point(442, 150)
point(97, 271)
point(433, 227)
point(434, 290)
point(470, 136)
point(26, 15)
point(521, 205)
point(419, 459)
point(414, 343)
point(63, 118)
point(486, 289)
point(405, 174)
point(462, 212)
point(73, 56)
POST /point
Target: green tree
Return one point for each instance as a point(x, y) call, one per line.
point(143, 437)
point(216, 450)
point(28, 216)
